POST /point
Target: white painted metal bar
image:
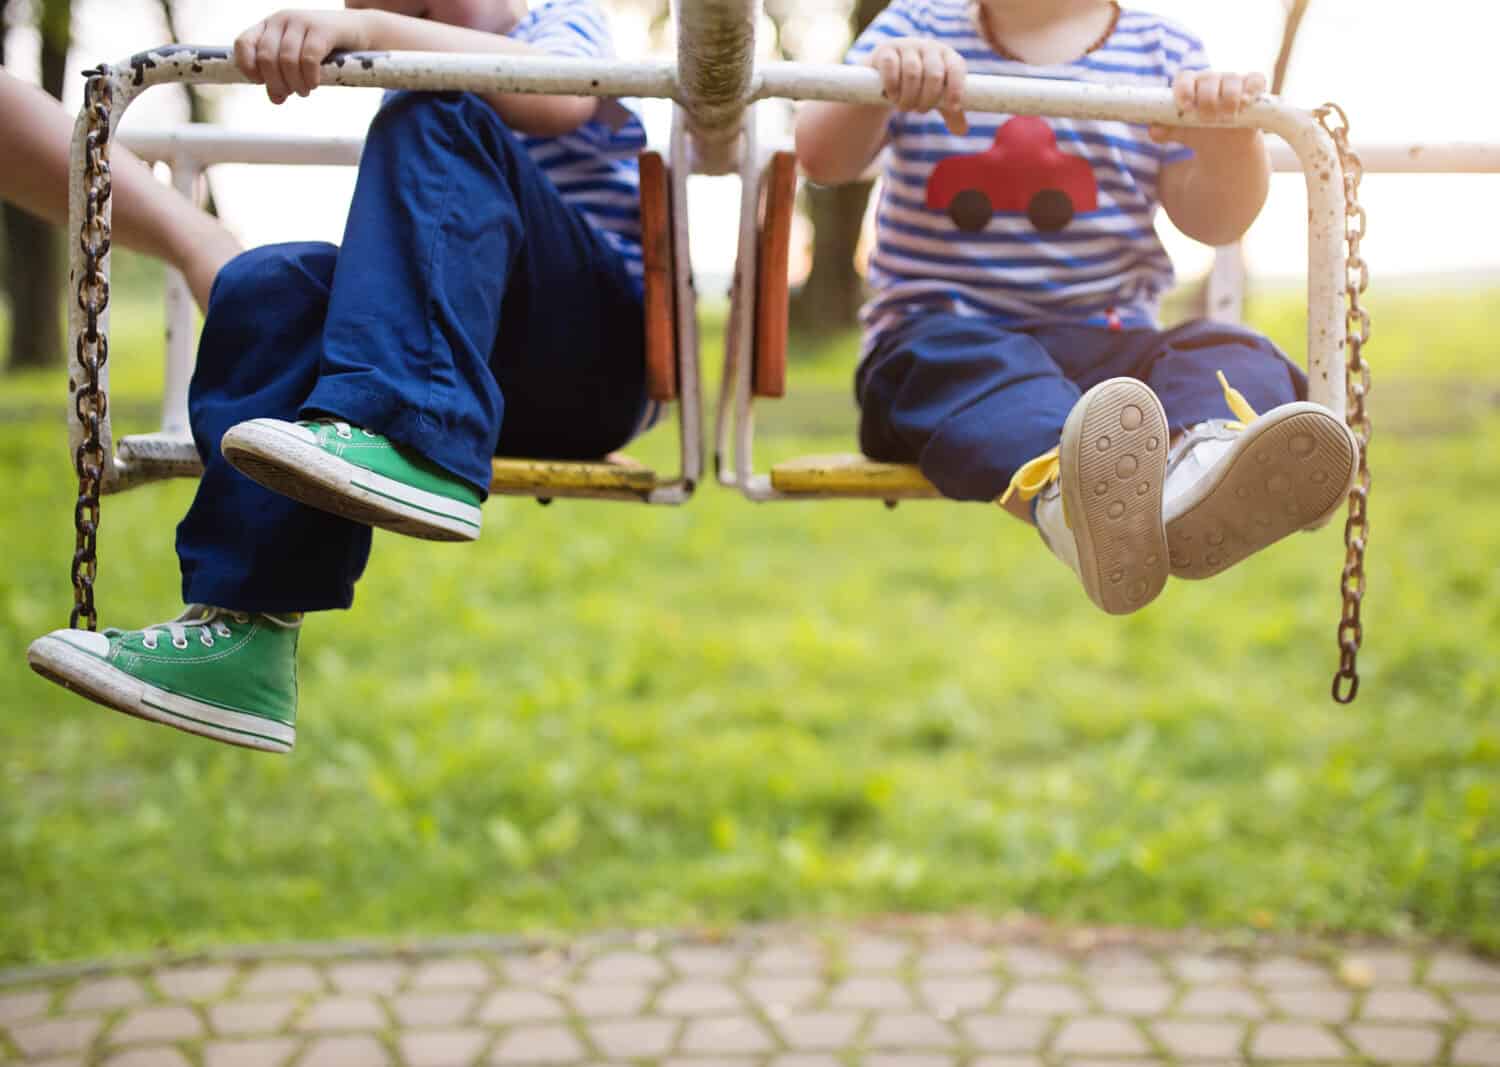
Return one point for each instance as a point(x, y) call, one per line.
point(715, 111)
point(1391, 157)
point(207, 145)
point(181, 336)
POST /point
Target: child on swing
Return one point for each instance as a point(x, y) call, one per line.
point(1013, 353)
point(486, 298)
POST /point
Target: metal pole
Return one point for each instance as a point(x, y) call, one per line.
point(716, 76)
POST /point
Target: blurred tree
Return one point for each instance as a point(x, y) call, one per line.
point(35, 267)
point(200, 107)
point(829, 300)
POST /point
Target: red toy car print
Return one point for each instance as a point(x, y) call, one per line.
point(1023, 171)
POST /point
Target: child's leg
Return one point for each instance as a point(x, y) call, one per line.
point(242, 546)
point(965, 400)
point(980, 408)
point(459, 257)
point(1239, 481)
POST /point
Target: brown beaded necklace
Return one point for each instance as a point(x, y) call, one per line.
point(982, 20)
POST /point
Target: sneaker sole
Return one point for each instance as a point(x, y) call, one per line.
point(1114, 448)
point(90, 677)
point(1284, 476)
point(288, 465)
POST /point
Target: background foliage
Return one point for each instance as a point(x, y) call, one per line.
point(604, 715)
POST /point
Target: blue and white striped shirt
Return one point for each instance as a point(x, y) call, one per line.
point(594, 167)
point(1098, 262)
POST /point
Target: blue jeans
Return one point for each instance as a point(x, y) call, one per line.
point(970, 402)
point(470, 311)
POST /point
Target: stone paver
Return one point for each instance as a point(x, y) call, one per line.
point(158, 1056)
point(1100, 1037)
point(1397, 1044)
point(443, 1048)
point(433, 1009)
point(924, 996)
point(1478, 1048)
point(250, 1016)
point(538, 1044)
point(632, 1039)
point(16, 1007)
point(343, 1013)
point(282, 979)
point(1415, 1005)
point(1199, 1040)
point(49, 1037)
point(156, 1025)
point(195, 983)
point(358, 1051)
point(1295, 1041)
point(820, 1030)
point(101, 993)
point(699, 998)
point(260, 1052)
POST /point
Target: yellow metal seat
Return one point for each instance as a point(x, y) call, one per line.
point(850, 476)
point(614, 476)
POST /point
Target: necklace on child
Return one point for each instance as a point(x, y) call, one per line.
point(981, 18)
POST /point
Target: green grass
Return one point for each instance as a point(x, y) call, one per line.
point(604, 715)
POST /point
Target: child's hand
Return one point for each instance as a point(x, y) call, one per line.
point(1212, 95)
point(285, 52)
point(920, 75)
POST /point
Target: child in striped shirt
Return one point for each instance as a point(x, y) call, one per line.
point(487, 298)
point(1012, 346)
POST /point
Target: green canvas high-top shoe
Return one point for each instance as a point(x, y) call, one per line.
point(362, 476)
point(227, 675)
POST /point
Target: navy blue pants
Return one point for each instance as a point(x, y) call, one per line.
point(470, 311)
point(971, 402)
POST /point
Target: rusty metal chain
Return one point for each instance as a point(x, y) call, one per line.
point(1351, 630)
point(89, 401)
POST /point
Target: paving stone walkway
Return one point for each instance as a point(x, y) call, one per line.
point(941, 994)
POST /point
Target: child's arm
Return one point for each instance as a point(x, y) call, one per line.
point(285, 53)
point(835, 142)
point(1216, 195)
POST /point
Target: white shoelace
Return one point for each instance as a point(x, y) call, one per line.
point(346, 431)
point(200, 620)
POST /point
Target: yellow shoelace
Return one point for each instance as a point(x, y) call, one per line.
point(1243, 412)
point(1033, 477)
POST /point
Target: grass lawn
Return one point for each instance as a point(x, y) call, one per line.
point(604, 714)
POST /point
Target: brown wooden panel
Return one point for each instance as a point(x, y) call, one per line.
point(771, 301)
point(656, 250)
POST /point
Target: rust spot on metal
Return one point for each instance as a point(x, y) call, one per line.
point(144, 61)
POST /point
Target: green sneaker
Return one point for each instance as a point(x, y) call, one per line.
point(226, 675)
point(359, 475)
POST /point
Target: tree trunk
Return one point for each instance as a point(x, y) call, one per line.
point(36, 268)
point(829, 300)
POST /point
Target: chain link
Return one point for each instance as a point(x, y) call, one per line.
point(1351, 630)
point(89, 401)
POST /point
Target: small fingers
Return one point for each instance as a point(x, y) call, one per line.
point(887, 61)
point(289, 60)
point(244, 51)
point(911, 80)
point(268, 62)
point(315, 49)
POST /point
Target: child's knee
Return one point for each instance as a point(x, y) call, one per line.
point(263, 277)
point(418, 112)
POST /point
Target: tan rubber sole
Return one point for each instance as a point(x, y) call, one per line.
point(1113, 459)
point(1284, 476)
point(311, 476)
